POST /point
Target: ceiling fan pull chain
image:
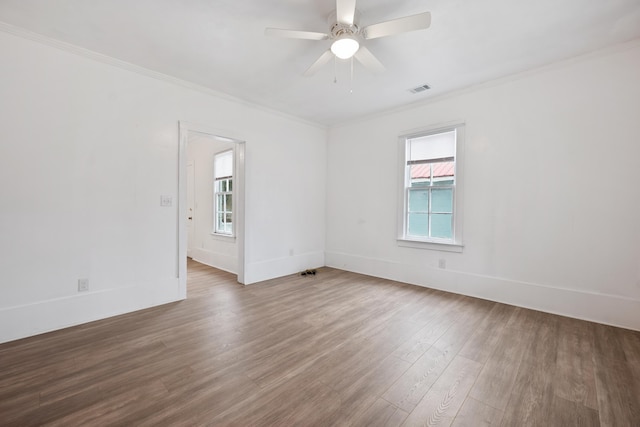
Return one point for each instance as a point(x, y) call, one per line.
point(335, 69)
point(351, 84)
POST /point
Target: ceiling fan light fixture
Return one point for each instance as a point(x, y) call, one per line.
point(345, 47)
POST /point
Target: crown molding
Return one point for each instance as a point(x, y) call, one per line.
point(556, 65)
point(105, 59)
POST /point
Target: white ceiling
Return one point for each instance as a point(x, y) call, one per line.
point(220, 44)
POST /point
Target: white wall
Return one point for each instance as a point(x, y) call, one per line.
point(86, 151)
point(552, 191)
point(209, 249)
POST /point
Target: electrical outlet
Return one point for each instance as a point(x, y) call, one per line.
point(442, 263)
point(83, 285)
point(166, 201)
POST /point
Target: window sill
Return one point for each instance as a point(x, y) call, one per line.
point(223, 237)
point(431, 245)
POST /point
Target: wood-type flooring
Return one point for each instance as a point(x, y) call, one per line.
point(334, 349)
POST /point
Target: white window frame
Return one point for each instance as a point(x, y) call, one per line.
point(215, 231)
point(450, 245)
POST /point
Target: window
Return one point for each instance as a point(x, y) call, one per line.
point(431, 192)
point(223, 193)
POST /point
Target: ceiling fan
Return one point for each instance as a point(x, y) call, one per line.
point(347, 36)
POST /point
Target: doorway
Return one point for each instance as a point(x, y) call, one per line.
point(210, 192)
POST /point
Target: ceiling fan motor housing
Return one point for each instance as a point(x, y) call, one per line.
point(339, 30)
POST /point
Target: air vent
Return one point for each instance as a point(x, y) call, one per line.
point(419, 89)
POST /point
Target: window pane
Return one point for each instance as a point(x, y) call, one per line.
point(228, 223)
point(230, 184)
point(220, 222)
point(420, 175)
point(441, 226)
point(228, 198)
point(443, 181)
point(442, 200)
point(418, 200)
point(418, 224)
point(216, 186)
point(443, 173)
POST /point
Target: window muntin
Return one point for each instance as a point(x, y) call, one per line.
point(430, 181)
point(223, 193)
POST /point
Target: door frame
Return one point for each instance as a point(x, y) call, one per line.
point(185, 128)
point(190, 188)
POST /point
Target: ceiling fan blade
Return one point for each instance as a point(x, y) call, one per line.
point(345, 11)
point(420, 21)
point(324, 58)
point(370, 62)
point(295, 34)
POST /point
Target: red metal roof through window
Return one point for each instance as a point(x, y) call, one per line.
point(440, 170)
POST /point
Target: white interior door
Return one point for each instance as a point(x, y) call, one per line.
point(190, 209)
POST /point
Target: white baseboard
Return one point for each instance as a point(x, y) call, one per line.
point(596, 307)
point(228, 263)
point(45, 316)
point(50, 315)
point(278, 267)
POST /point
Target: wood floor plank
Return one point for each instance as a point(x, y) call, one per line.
point(608, 342)
point(618, 393)
point(473, 314)
point(532, 396)
point(477, 414)
point(443, 401)
point(77, 381)
point(533, 402)
point(617, 368)
point(380, 414)
point(566, 413)
point(441, 318)
point(497, 379)
point(358, 397)
point(542, 348)
point(356, 358)
point(112, 409)
point(286, 404)
point(631, 347)
point(409, 389)
point(204, 396)
point(483, 342)
point(574, 371)
point(338, 348)
point(12, 406)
